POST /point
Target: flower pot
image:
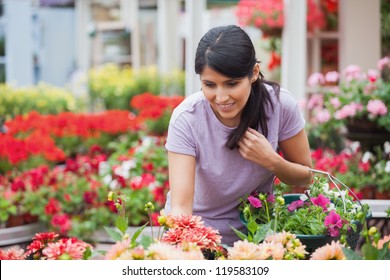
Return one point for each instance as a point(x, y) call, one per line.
point(382, 195)
point(19, 234)
point(367, 133)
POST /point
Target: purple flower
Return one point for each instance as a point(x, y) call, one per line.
point(334, 223)
point(255, 202)
point(295, 205)
point(321, 201)
point(271, 198)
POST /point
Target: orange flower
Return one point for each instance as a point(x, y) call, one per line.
point(331, 251)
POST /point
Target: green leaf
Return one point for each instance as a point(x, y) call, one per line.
point(384, 253)
point(136, 234)
point(252, 227)
point(87, 254)
point(261, 233)
point(122, 224)
point(240, 234)
point(350, 254)
point(146, 241)
point(370, 252)
point(114, 234)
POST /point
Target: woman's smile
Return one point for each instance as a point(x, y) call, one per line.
point(227, 96)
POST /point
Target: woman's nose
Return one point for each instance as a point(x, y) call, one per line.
point(221, 96)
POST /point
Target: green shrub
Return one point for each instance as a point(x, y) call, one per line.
point(42, 98)
point(114, 87)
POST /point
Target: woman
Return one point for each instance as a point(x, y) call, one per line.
point(222, 141)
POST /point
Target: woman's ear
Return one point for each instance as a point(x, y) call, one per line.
point(256, 72)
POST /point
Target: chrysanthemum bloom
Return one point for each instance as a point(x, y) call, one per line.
point(191, 251)
point(189, 228)
point(383, 241)
point(333, 251)
point(163, 251)
point(66, 248)
point(12, 254)
point(117, 250)
point(187, 221)
point(244, 250)
point(291, 244)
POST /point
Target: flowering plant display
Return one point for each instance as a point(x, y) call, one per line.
point(321, 210)
point(50, 246)
point(155, 111)
point(352, 97)
point(71, 199)
point(34, 139)
point(269, 15)
point(362, 171)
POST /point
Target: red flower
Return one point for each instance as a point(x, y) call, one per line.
point(61, 221)
point(90, 197)
point(52, 207)
point(18, 185)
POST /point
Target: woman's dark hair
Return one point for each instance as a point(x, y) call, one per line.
point(229, 51)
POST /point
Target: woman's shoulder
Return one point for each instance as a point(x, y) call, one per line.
point(283, 97)
point(190, 107)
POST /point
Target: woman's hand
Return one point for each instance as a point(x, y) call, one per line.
point(255, 147)
point(292, 168)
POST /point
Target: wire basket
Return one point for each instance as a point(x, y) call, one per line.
point(313, 242)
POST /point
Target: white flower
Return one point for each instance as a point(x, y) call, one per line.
point(331, 207)
point(367, 156)
point(104, 168)
point(387, 147)
point(387, 167)
point(114, 184)
point(107, 179)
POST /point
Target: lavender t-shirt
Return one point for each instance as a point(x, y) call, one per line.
point(222, 175)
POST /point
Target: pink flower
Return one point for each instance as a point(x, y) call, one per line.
point(372, 75)
point(323, 116)
point(376, 108)
point(335, 102)
point(385, 61)
point(117, 250)
point(12, 254)
point(332, 76)
point(295, 205)
point(316, 79)
point(244, 250)
point(61, 221)
point(190, 228)
point(255, 202)
point(334, 223)
point(321, 201)
point(316, 100)
point(66, 249)
point(349, 110)
point(353, 72)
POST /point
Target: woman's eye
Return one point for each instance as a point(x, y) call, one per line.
point(232, 84)
point(209, 85)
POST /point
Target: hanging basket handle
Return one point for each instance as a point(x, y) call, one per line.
point(334, 180)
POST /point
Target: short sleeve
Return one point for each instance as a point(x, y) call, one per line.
point(180, 136)
point(291, 119)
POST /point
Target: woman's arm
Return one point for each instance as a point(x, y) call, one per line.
point(292, 168)
point(181, 182)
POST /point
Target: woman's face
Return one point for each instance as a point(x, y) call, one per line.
point(227, 96)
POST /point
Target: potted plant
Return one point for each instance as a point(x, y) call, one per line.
point(355, 101)
point(322, 214)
